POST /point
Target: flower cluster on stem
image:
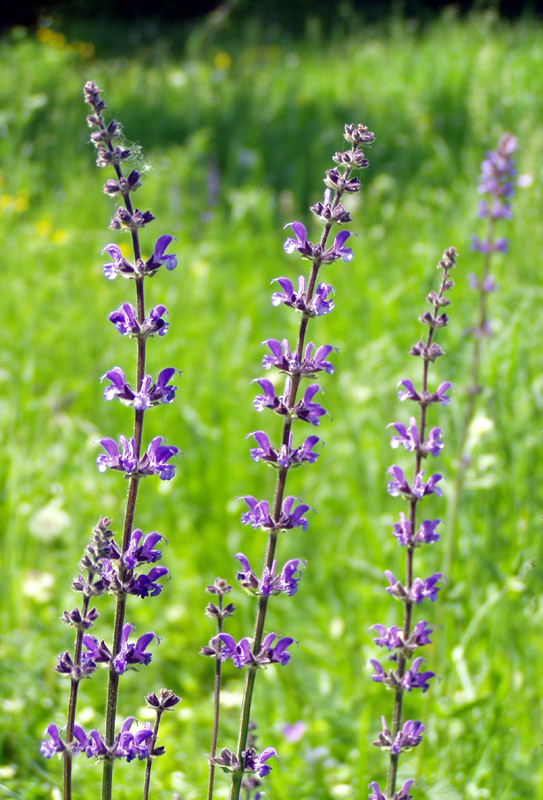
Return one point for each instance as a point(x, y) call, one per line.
point(108, 567)
point(310, 298)
point(401, 642)
point(496, 184)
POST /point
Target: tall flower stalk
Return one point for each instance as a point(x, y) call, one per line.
point(402, 641)
point(106, 566)
point(312, 299)
point(496, 184)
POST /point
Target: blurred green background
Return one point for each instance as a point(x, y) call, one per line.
point(236, 126)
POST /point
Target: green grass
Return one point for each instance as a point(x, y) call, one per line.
point(268, 118)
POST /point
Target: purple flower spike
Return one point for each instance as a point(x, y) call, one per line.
point(402, 640)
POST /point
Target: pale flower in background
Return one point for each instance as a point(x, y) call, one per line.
point(50, 521)
point(38, 586)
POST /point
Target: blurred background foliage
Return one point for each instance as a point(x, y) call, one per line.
point(234, 121)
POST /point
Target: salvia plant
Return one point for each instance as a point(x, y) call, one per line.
point(301, 362)
point(496, 183)
point(125, 566)
point(401, 642)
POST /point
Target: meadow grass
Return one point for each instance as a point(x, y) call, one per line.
point(265, 120)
